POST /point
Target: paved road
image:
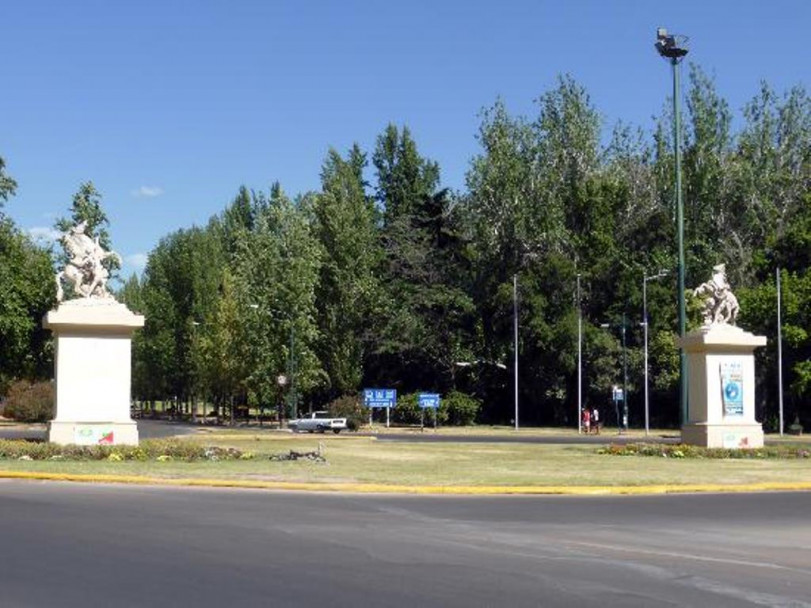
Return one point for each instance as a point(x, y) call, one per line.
point(147, 429)
point(77, 545)
point(603, 438)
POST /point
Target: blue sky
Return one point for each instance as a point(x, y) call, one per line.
point(169, 106)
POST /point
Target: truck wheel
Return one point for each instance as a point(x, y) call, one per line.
point(336, 431)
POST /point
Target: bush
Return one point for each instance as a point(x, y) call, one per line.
point(30, 401)
point(162, 450)
point(692, 451)
point(461, 408)
point(456, 409)
point(349, 407)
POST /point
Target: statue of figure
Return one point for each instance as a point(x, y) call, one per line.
point(720, 304)
point(84, 269)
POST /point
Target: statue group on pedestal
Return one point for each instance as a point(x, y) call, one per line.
point(84, 270)
point(720, 304)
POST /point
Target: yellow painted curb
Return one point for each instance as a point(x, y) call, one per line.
point(370, 488)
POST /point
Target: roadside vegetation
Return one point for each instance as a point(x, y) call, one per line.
point(383, 276)
point(247, 455)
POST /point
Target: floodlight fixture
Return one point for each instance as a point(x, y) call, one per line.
point(671, 46)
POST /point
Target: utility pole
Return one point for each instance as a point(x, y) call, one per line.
point(779, 352)
point(579, 358)
point(515, 343)
point(673, 48)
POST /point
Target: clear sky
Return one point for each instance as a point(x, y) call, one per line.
point(169, 106)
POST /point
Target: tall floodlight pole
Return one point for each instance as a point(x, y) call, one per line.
point(645, 279)
point(673, 48)
point(515, 343)
point(779, 352)
point(624, 375)
point(579, 358)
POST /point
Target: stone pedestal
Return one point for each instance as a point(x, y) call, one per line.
point(93, 338)
point(721, 388)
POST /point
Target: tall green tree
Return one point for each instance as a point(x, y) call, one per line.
point(348, 290)
point(26, 294)
point(7, 184)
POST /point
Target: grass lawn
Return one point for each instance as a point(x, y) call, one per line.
point(354, 459)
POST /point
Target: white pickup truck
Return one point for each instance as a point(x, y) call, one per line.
point(317, 421)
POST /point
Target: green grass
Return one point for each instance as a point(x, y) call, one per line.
point(352, 459)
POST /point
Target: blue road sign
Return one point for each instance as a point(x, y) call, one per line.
point(379, 397)
point(429, 400)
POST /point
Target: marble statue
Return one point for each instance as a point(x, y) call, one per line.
point(720, 304)
point(84, 269)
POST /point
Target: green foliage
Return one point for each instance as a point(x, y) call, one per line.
point(161, 450)
point(27, 292)
point(398, 282)
point(7, 184)
point(459, 409)
point(86, 207)
point(30, 401)
point(692, 451)
point(348, 289)
point(351, 408)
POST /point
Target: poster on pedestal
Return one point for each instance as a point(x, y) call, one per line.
point(732, 388)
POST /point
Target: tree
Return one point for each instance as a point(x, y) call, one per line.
point(7, 184)
point(277, 269)
point(348, 288)
point(423, 309)
point(26, 294)
point(86, 207)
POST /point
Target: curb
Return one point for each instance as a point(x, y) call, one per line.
point(368, 488)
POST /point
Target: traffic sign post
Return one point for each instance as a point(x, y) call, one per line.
point(428, 401)
point(380, 397)
point(618, 395)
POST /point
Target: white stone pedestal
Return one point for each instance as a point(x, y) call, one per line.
point(721, 388)
point(93, 339)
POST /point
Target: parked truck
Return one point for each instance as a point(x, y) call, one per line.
point(317, 422)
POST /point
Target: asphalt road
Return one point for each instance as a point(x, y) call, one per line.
point(77, 545)
point(147, 429)
point(152, 429)
point(603, 438)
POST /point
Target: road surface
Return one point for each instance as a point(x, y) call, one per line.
point(77, 545)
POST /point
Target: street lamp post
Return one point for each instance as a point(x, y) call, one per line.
point(515, 343)
point(645, 279)
point(623, 326)
point(673, 48)
point(579, 358)
point(779, 351)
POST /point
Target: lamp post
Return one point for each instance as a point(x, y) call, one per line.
point(579, 359)
point(779, 351)
point(622, 326)
point(515, 343)
point(291, 358)
point(645, 279)
point(673, 48)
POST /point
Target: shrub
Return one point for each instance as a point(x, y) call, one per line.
point(461, 408)
point(349, 407)
point(30, 401)
point(407, 410)
point(692, 451)
point(162, 450)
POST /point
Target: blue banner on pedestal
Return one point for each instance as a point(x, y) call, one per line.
point(732, 388)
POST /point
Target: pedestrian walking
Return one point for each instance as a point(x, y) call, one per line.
point(586, 420)
point(595, 420)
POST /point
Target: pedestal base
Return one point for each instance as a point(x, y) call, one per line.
point(731, 436)
point(93, 433)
